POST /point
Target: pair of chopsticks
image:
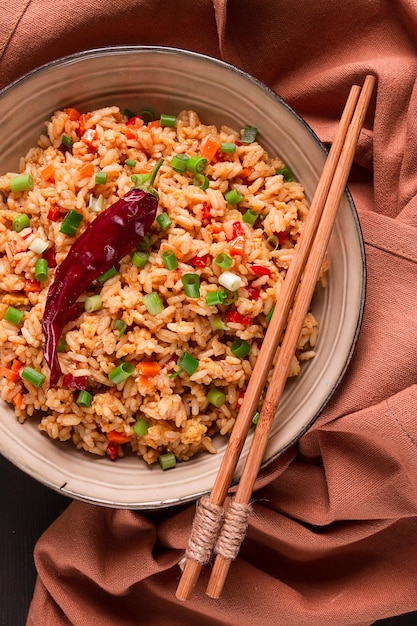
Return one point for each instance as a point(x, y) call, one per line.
point(213, 528)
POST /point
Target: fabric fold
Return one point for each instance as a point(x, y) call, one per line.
point(332, 539)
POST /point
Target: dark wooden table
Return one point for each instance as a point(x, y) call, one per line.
point(27, 508)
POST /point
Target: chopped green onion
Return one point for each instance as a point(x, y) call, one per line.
point(240, 348)
point(231, 281)
point(179, 162)
point(196, 164)
point(32, 376)
point(96, 203)
point(140, 427)
point(215, 298)
point(62, 345)
point(101, 178)
point(167, 461)
point(273, 241)
point(13, 316)
point(227, 146)
point(249, 134)
point(121, 372)
point(67, 141)
point(113, 271)
point(140, 258)
point(130, 162)
point(233, 196)
point(21, 182)
point(255, 418)
point(223, 260)
point(164, 221)
point(219, 324)
point(201, 181)
point(188, 363)
point(216, 397)
point(128, 113)
point(20, 222)
point(286, 173)
point(93, 303)
point(71, 223)
point(169, 259)
point(250, 217)
point(168, 120)
point(84, 398)
point(145, 242)
point(191, 284)
point(139, 179)
point(121, 326)
point(41, 270)
point(147, 115)
point(38, 245)
point(269, 315)
point(153, 303)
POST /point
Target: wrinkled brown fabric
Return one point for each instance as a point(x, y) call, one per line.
point(333, 536)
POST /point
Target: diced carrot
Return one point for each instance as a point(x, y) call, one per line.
point(115, 437)
point(129, 133)
point(89, 137)
point(237, 246)
point(148, 368)
point(246, 171)
point(18, 400)
point(215, 227)
point(72, 113)
point(83, 119)
point(210, 148)
point(154, 124)
point(9, 374)
point(32, 286)
point(144, 381)
point(48, 173)
point(16, 365)
point(87, 170)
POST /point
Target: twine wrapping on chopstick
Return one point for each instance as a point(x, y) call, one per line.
point(233, 530)
point(207, 522)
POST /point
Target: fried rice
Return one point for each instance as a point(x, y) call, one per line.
point(172, 405)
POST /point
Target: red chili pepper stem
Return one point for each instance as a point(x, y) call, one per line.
point(148, 184)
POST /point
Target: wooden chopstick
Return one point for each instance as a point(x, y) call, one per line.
point(192, 566)
point(301, 305)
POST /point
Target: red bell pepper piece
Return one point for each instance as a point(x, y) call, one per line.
point(260, 270)
point(253, 292)
point(235, 317)
point(238, 230)
point(200, 261)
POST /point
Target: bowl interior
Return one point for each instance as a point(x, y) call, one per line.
point(169, 80)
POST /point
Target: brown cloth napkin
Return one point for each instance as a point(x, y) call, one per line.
point(333, 535)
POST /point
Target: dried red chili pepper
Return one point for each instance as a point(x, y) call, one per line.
point(105, 241)
point(74, 382)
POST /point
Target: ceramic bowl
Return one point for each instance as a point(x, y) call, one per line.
point(169, 80)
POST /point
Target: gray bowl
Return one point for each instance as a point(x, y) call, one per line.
point(169, 80)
